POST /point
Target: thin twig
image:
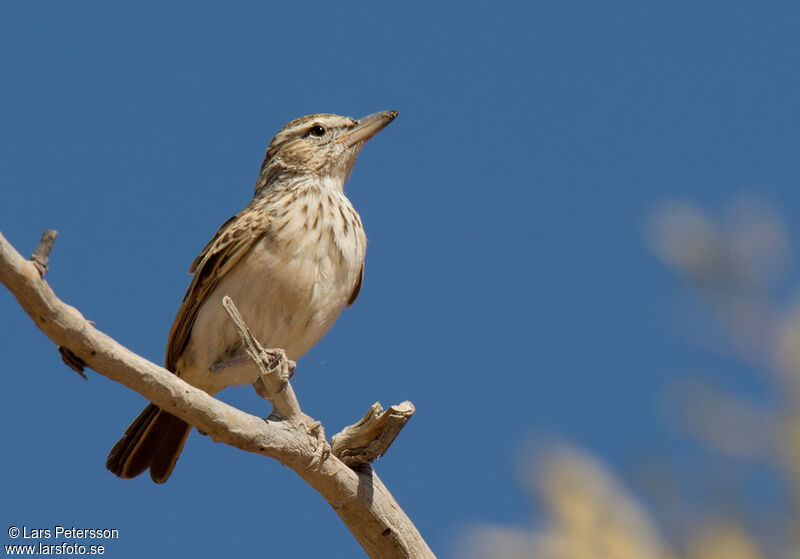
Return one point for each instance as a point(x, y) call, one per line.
point(273, 383)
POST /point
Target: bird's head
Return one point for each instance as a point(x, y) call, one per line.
point(320, 145)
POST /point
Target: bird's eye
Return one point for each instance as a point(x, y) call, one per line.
point(316, 131)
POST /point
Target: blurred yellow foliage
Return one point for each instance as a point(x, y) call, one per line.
point(733, 263)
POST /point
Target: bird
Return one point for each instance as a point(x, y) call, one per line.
point(291, 260)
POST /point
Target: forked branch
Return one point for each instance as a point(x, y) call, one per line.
point(358, 497)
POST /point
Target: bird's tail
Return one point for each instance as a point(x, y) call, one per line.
point(154, 440)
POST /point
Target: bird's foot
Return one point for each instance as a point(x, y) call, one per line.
point(322, 449)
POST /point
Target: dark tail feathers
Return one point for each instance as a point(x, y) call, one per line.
point(154, 440)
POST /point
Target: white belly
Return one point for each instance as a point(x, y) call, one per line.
point(289, 296)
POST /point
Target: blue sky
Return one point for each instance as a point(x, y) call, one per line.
point(509, 292)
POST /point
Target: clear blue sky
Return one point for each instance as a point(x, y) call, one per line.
point(509, 293)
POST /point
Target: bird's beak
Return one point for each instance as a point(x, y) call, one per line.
point(367, 127)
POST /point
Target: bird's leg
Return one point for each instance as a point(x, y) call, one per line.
point(231, 365)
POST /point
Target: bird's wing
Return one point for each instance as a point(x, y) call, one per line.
point(357, 288)
point(233, 240)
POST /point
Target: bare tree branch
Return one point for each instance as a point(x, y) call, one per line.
point(371, 437)
point(358, 497)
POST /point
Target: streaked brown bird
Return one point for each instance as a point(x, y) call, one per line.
point(291, 260)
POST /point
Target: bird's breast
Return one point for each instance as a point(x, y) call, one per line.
point(314, 260)
point(290, 287)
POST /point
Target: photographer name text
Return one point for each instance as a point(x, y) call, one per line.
point(67, 532)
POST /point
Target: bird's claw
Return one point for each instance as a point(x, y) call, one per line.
point(322, 449)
